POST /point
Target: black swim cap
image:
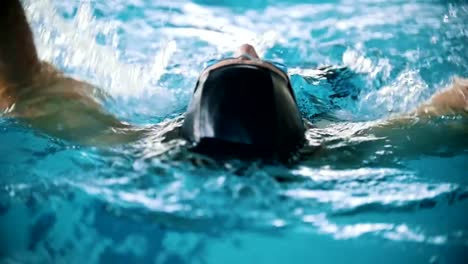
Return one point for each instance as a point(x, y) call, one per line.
point(244, 108)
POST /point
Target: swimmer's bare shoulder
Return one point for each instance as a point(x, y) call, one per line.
point(45, 98)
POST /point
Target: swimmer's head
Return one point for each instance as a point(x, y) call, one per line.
point(241, 107)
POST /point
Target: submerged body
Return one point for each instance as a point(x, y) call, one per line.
point(60, 106)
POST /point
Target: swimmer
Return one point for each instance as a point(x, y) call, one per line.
point(243, 103)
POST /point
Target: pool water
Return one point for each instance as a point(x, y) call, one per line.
point(154, 202)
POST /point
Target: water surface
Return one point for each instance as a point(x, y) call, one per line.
point(153, 202)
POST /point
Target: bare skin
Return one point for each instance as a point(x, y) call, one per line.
point(63, 107)
point(42, 96)
point(452, 100)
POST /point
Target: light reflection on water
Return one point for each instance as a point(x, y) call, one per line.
point(153, 200)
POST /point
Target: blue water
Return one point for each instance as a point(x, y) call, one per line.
point(358, 201)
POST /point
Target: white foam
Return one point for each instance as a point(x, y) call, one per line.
point(72, 46)
point(402, 96)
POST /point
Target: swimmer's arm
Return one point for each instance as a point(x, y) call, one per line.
point(66, 108)
point(451, 101)
point(18, 57)
point(42, 96)
point(433, 127)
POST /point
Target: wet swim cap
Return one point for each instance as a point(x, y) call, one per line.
point(243, 108)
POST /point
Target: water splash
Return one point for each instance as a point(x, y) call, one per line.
point(73, 47)
point(402, 96)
